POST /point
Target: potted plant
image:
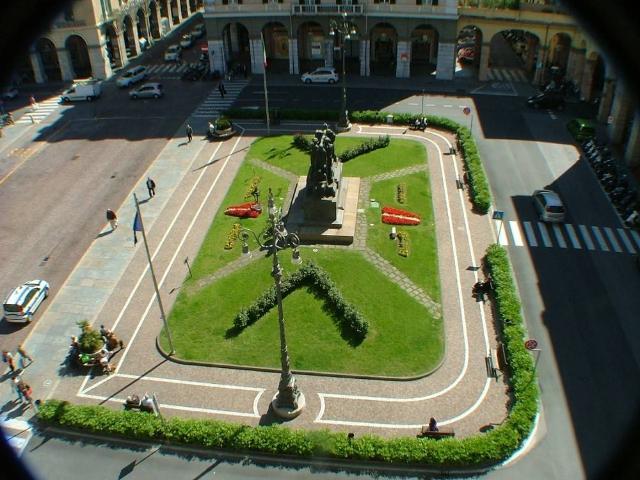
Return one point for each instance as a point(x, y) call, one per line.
point(221, 129)
point(90, 340)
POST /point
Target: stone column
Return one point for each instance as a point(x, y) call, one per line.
point(38, 69)
point(586, 83)
point(403, 59)
point(216, 56)
point(169, 12)
point(124, 58)
point(446, 61)
point(66, 67)
point(483, 70)
point(100, 66)
point(294, 64)
point(632, 152)
point(365, 52)
point(257, 58)
point(328, 54)
point(189, 12)
point(621, 112)
point(179, 11)
point(606, 100)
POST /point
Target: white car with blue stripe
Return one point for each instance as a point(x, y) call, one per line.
point(23, 301)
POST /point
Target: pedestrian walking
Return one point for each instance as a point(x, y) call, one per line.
point(244, 70)
point(113, 219)
point(24, 356)
point(189, 132)
point(10, 120)
point(18, 384)
point(33, 103)
point(113, 342)
point(151, 186)
point(27, 392)
point(7, 358)
point(221, 89)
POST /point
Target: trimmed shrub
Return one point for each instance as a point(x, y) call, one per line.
point(365, 147)
point(90, 340)
point(347, 317)
point(301, 142)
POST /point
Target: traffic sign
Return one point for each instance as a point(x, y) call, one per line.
point(466, 110)
point(531, 344)
point(498, 215)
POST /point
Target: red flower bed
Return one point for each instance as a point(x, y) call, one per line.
point(395, 216)
point(243, 210)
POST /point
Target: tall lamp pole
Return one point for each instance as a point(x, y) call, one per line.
point(345, 31)
point(289, 401)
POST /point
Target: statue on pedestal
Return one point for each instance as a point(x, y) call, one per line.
point(323, 177)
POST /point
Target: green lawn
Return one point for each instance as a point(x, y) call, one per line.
point(421, 266)
point(212, 254)
point(279, 151)
point(403, 339)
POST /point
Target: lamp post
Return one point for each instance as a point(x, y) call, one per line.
point(345, 31)
point(289, 401)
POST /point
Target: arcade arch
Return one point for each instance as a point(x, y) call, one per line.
point(311, 46)
point(424, 50)
point(112, 46)
point(276, 39)
point(384, 43)
point(49, 58)
point(79, 54)
point(235, 38)
point(154, 21)
point(129, 37)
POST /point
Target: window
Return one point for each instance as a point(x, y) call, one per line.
point(68, 14)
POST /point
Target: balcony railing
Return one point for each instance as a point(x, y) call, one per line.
point(326, 9)
point(411, 9)
point(271, 7)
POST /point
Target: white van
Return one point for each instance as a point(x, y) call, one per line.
point(84, 89)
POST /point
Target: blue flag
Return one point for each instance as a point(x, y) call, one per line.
point(137, 227)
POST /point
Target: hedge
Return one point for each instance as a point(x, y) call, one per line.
point(480, 192)
point(479, 451)
point(351, 321)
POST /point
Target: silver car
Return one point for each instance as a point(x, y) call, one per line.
point(549, 206)
point(148, 90)
point(131, 76)
point(320, 75)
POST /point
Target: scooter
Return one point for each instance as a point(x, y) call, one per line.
point(144, 404)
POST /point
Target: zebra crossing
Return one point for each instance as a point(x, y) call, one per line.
point(214, 103)
point(516, 75)
point(169, 70)
point(37, 115)
point(567, 236)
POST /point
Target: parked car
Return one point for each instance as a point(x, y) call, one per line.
point(173, 53)
point(581, 129)
point(23, 301)
point(320, 75)
point(549, 99)
point(131, 76)
point(549, 206)
point(9, 93)
point(186, 41)
point(148, 90)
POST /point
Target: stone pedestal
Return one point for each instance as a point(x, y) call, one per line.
point(340, 230)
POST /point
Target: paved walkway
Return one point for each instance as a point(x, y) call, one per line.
point(111, 286)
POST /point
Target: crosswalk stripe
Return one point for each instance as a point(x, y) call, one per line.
point(544, 234)
point(636, 237)
point(573, 237)
point(612, 239)
point(600, 239)
point(626, 241)
point(531, 236)
point(502, 233)
point(558, 234)
point(586, 237)
point(515, 233)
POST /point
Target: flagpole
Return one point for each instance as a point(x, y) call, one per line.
point(153, 274)
point(264, 77)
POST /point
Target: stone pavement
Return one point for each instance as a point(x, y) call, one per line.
point(111, 286)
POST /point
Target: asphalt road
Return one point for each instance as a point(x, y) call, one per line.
point(72, 458)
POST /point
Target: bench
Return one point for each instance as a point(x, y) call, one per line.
point(493, 365)
point(441, 433)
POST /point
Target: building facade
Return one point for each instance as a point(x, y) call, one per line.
point(92, 38)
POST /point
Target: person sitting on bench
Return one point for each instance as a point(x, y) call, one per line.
point(433, 425)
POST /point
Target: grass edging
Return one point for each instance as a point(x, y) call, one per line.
point(483, 450)
point(479, 190)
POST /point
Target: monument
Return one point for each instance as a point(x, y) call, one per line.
point(324, 205)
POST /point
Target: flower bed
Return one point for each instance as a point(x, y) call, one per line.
point(395, 216)
point(244, 210)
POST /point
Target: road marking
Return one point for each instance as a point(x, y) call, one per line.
point(531, 236)
point(612, 239)
point(600, 239)
point(636, 237)
point(573, 236)
point(626, 241)
point(542, 228)
point(502, 237)
point(558, 234)
point(586, 237)
point(516, 233)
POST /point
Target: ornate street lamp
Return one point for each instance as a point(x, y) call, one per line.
point(289, 401)
point(345, 31)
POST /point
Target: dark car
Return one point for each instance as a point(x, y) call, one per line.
point(552, 100)
point(196, 72)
